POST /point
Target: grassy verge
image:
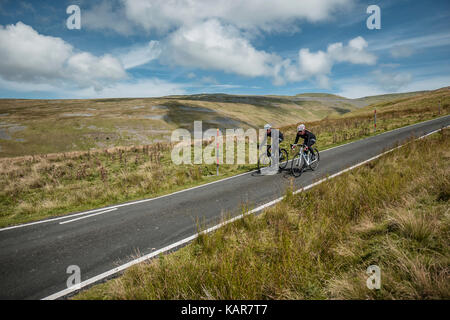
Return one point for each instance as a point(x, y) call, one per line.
point(392, 212)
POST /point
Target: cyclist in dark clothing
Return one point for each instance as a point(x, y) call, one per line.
point(308, 138)
point(268, 127)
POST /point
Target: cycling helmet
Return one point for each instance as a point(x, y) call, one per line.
point(301, 127)
point(267, 126)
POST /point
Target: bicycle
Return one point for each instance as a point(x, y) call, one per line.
point(265, 159)
point(302, 160)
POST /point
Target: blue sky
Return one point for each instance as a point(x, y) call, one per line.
point(144, 48)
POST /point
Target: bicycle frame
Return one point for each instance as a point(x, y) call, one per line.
point(303, 154)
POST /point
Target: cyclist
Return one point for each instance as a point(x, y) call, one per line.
point(308, 139)
point(268, 128)
point(283, 153)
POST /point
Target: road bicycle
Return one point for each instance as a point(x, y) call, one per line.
point(265, 159)
point(303, 160)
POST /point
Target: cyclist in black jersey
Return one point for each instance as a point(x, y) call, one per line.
point(268, 127)
point(308, 138)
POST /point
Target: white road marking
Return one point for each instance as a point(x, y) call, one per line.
point(188, 239)
point(121, 205)
point(51, 220)
point(91, 215)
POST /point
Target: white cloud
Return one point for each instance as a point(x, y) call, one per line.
point(29, 57)
point(140, 55)
point(314, 63)
point(163, 15)
point(211, 45)
point(392, 82)
point(318, 65)
point(213, 35)
point(355, 52)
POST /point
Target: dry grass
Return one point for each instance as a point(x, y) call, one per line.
point(392, 212)
point(35, 187)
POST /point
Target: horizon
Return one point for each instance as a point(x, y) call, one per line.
point(229, 94)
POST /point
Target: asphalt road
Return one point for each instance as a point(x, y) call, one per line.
point(34, 258)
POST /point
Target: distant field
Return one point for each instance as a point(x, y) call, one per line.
point(32, 127)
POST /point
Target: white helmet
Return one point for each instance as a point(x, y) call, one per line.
point(267, 126)
point(301, 127)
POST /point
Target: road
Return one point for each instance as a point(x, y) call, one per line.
point(34, 257)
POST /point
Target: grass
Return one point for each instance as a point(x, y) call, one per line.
point(392, 212)
point(45, 185)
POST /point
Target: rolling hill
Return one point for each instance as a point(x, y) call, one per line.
point(47, 126)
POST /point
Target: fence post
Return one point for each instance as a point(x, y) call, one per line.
point(217, 153)
point(375, 121)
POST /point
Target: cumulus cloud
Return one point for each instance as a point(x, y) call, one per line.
point(213, 35)
point(162, 15)
point(318, 65)
point(27, 56)
point(212, 45)
point(355, 52)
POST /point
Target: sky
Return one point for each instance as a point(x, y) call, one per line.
point(151, 48)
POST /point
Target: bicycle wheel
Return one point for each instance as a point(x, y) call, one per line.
point(265, 160)
point(315, 163)
point(283, 158)
point(297, 165)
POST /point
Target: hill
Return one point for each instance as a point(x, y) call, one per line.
point(30, 127)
